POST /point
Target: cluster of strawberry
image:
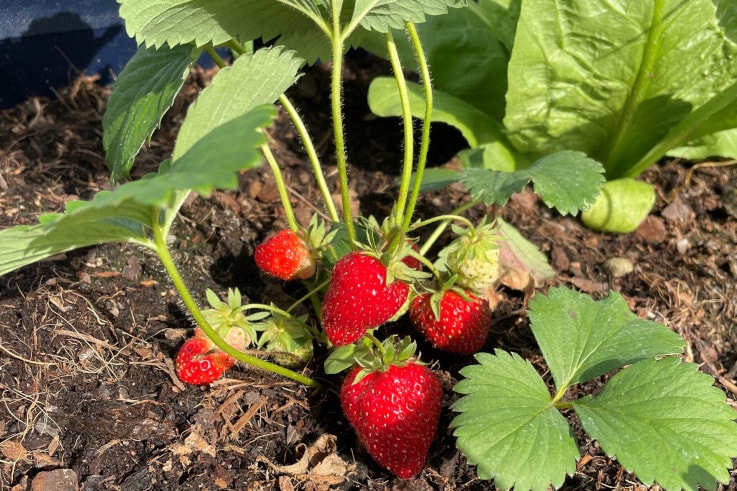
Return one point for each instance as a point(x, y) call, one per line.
point(390, 398)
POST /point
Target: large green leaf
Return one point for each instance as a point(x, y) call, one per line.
point(200, 22)
point(509, 428)
point(144, 91)
point(251, 81)
point(665, 421)
point(302, 25)
point(612, 80)
point(568, 181)
point(128, 213)
point(212, 162)
point(82, 225)
point(581, 338)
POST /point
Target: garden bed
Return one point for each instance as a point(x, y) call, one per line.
point(88, 338)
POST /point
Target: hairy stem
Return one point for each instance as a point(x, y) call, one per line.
point(446, 220)
point(283, 191)
point(407, 126)
point(336, 102)
point(312, 156)
point(425, 138)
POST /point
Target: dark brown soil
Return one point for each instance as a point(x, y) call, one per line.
point(87, 338)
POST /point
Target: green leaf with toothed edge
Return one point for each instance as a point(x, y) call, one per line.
point(508, 426)
point(581, 338)
point(665, 421)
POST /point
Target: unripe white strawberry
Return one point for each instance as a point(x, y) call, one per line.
point(474, 257)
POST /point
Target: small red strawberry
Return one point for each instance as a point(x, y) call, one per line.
point(450, 321)
point(395, 414)
point(359, 298)
point(285, 256)
point(200, 362)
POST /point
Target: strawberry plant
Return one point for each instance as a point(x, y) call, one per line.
point(360, 272)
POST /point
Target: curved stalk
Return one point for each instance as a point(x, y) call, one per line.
point(447, 219)
point(407, 126)
point(312, 156)
point(425, 138)
point(215, 57)
point(283, 192)
point(163, 252)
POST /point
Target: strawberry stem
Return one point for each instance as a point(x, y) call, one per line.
point(165, 256)
point(215, 57)
point(447, 219)
point(283, 192)
point(407, 126)
point(312, 156)
point(426, 120)
point(336, 102)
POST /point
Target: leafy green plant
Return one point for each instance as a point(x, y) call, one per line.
point(361, 272)
point(625, 84)
point(660, 417)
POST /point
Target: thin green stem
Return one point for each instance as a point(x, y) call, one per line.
point(235, 47)
point(283, 191)
point(163, 252)
point(426, 120)
point(408, 163)
point(427, 244)
point(215, 57)
point(336, 101)
point(312, 156)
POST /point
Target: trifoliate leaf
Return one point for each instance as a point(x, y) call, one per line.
point(581, 338)
point(666, 422)
point(508, 426)
point(567, 181)
point(144, 91)
point(252, 81)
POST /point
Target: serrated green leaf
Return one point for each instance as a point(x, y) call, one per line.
point(143, 92)
point(82, 225)
point(567, 181)
point(199, 22)
point(508, 427)
point(252, 80)
point(581, 338)
point(383, 15)
point(210, 163)
point(666, 422)
point(494, 187)
point(125, 214)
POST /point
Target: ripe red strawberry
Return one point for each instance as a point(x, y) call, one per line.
point(200, 362)
point(359, 299)
point(462, 326)
point(395, 414)
point(285, 256)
